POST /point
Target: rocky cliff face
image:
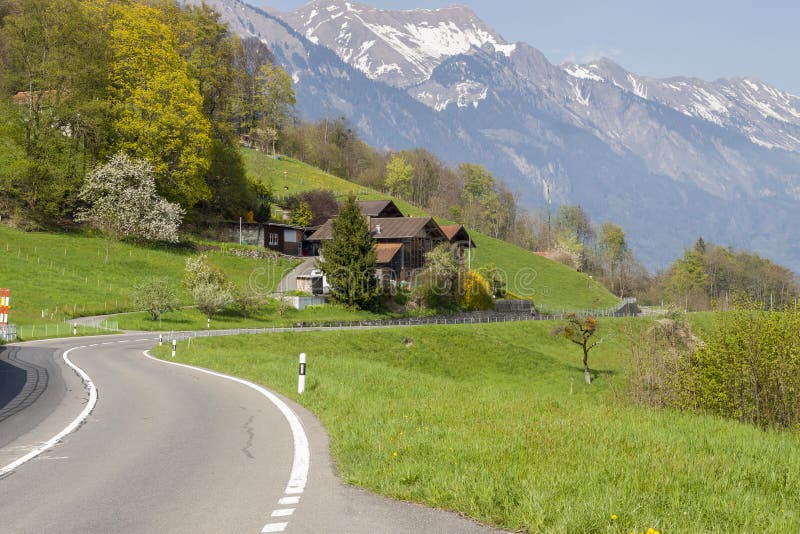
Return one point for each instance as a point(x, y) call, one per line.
point(669, 159)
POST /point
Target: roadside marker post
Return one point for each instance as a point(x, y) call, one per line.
point(301, 378)
point(5, 305)
point(160, 339)
point(208, 324)
point(74, 329)
point(174, 347)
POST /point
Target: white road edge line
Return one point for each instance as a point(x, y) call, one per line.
point(87, 382)
point(302, 453)
point(289, 500)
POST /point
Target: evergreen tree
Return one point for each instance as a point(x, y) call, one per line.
point(349, 258)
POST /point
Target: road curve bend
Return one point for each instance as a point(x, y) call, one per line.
point(170, 448)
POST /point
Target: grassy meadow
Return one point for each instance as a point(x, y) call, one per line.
point(494, 421)
point(55, 276)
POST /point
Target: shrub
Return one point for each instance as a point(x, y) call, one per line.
point(477, 292)
point(199, 271)
point(211, 298)
point(748, 369)
point(155, 296)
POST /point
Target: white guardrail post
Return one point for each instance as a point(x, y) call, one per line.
point(301, 377)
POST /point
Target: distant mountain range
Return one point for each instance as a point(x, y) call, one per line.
point(668, 159)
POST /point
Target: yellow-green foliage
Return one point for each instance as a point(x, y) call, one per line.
point(158, 105)
point(747, 369)
point(477, 292)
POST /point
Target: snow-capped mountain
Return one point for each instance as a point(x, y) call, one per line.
point(768, 116)
point(669, 160)
point(400, 48)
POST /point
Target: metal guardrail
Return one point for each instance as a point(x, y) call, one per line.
point(478, 318)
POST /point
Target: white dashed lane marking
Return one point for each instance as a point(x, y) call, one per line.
point(283, 512)
point(274, 527)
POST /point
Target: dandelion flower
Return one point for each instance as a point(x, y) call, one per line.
point(394, 454)
point(614, 517)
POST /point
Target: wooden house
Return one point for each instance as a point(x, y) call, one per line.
point(401, 243)
point(289, 239)
point(457, 235)
point(380, 209)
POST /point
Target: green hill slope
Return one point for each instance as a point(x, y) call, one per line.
point(54, 276)
point(552, 286)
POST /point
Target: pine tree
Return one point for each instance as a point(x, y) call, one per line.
point(349, 259)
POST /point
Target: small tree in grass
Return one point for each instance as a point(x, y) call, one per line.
point(156, 296)
point(200, 271)
point(582, 331)
point(211, 298)
point(248, 300)
point(208, 285)
point(349, 259)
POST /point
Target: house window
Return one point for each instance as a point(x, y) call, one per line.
point(273, 239)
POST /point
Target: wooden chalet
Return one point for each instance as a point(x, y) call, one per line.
point(402, 242)
point(458, 235)
point(381, 209)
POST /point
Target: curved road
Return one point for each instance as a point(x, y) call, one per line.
point(169, 449)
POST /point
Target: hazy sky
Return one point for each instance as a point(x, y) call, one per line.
point(704, 38)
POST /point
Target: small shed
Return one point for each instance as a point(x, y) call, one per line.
point(288, 239)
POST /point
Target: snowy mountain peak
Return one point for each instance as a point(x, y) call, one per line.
point(766, 116)
point(401, 48)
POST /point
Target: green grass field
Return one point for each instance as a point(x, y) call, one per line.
point(55, 276)
point(495, 422)
point(287, 176)
point(552, 286)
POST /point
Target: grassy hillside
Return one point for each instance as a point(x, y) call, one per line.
point(288, 176)
point(552, 286)
point(66, 274)
point(494, 421)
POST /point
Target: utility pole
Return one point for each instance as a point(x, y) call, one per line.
point(547, 191)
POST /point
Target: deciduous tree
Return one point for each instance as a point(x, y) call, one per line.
point(155, 296)
point(582, 331)
point(158, 106)
point(120, 199)
point(399, 176)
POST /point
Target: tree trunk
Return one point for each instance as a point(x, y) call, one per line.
point(587, 375)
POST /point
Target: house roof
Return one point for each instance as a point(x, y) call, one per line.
point(288, 226)
point(379, 208)
point(390, 228)
point(385, 252)
point(456, 233)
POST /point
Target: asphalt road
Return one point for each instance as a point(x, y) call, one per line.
point(170, 449)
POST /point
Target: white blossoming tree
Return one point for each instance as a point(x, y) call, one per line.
point(121, 200)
